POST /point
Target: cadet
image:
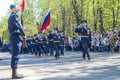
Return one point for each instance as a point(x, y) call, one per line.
point(51, 44)
point(85, 37)
point(62, 39)
point(45, 44)
point(56, 39)
point(84, 32)
point(39, 44)
point(29, 40)
point(34, 44)
point(16, 31)
point(1, 43)
point(0, 46)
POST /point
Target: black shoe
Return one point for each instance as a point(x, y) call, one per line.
point(35, 54)
point(51, 54)
point(15, 75)
point(1, 59)
point(89, 59)
point(39, 54)
point(84, 59)
point(62, 53)
point(46, 54)
point(56, 57)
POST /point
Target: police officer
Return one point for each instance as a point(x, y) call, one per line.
point(16, 35)
point(84, 32)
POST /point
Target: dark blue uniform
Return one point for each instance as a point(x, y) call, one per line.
point(84, 32)
point(34, 45)
point(29, 41)
point(62, 39)
point(56, 39)
point(16, 31)
point(51, 44)
point(45, 44)
point(1, 43)
point(39, 45)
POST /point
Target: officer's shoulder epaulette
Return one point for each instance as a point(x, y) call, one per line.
point(88, 28)
point(81, 27)
point(13, 15)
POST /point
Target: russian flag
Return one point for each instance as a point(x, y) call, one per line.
point(46, 23)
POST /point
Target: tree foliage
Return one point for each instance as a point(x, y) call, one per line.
point(101, 15)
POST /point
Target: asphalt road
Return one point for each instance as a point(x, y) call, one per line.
point(102, 66)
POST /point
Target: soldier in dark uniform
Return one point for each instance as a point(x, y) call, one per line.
point(51, 44)
point(16, 33)
point(56, 39)
point(39, 44)
point(34, 44)
point(0, 46)
point(45, 44)
point(62, 39)
point(29, 45)
point(84, 32)
point(1, 43)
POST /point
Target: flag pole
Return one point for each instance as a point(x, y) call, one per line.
point(46, 30)
point(22, 9)
point(22, 18)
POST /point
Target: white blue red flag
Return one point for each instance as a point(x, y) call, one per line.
point(46, 23)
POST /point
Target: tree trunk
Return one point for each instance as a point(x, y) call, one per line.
point(114, 25)
point(82, 8)
point(95, 20)
point(101, 20)
point(76, 11)
point(63, 18)
point(117, 14)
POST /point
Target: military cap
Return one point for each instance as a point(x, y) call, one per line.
point(12, 6)
point(56, 29)
point(83, 21)
point(35, 34)
point(60, 31)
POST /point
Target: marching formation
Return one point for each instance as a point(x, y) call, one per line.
point(46, 44)
point(55, 43)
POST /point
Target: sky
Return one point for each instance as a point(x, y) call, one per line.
point(4, 6)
